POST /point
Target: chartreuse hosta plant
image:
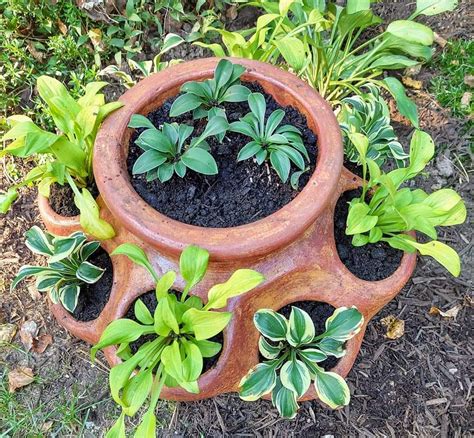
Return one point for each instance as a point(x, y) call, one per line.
point(67, 268)
point(200, 97)
point(368, 114)
point(389, 210)
point(292, 350)
point(68, 152)
point(170, 149)
point(178, 336)
point(281, 144)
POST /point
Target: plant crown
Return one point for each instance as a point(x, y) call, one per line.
point(67, 269)
point(292, 350)
point(181, 331)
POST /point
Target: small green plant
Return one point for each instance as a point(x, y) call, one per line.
point(392, 210)
point(368, 114)
point(77, 123)
point(293, 349)
point(200, 97)
point(67, 267)
point(181, 330)
point(282, 144)
point(168, 151)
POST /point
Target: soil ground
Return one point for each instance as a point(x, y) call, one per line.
point(419, 385)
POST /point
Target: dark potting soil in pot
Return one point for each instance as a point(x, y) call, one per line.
point(241, 193)
point(94, 297)
point(150, 301)
point(61, 199)
point(370, 262)
point(318, 312)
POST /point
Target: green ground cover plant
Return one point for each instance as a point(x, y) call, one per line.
point(181, 328)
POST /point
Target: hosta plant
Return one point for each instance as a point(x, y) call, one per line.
point(67, 268)
point(67, 153)
point(292, 350)
point(281, 144)
point(177, 334)
point(200, 97)
point(389, 210)
point(170, 150)
point(368, 114)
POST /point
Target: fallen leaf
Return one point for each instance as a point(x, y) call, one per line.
point(7, 332)
point(46, 427)
point(412, 83)
point(96, 38)
point(36, 54)
point(20, 377)
point(62, 27)
point(28, 331)
point(466, 99)
point(395, 327)
point(438, 39)
point(231, 12)
point(413, 71)
point(469, 80)
point(451, 313)
point(41, 343)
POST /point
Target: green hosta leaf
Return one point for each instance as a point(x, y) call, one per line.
point(359, 220)
point(259, 381)
point(163, 142)
point(136, 392)
point(39, 242)
point(267, 350)
point(193, 363)
point(7, 199)
point(421, 151)
point(361, 143)
point(411, 31)
point(344, 324)
point(204, 323)
point(284, 6)
point(147, 161)
point(284, 400)
point(68, 295)
point(449, 202)
point(294, 376)
point(172, 361)
point(200, 161)
point(332, 389)
point(257, 105)
point(165, 317)
point(89, 273)
point(118, 429)
point(434, 7)
point(223, 73)
point(271, 324)
point(240, 282)
point(354, 6)
point(142, 313)
point(215, 126)
point(243, 128)
point(313, 354)
point(164, 284)
point(208, 348)
point(405, 105)
point(236, 93)
point(249, 150)
point(301, 327)
point(139, 121)
point(393, 62)
point(331, 347)
point(193, 265)
point(281, 164)
point(136, 255)
point(185, 103)
point(293, 50)
point(147, 428)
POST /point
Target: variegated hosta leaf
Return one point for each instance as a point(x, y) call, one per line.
point(271, 324)
point(89, 273)
point(27, 270)
point(332, 347)
point(344, 324)
point(46, 282)
point(259, 381)
point(65, 246)
point(301, 327)
point(312, 355)
point(285, 401)
point(331, 388)
point(267, 350)
point(39, 242)
point(68, 295)
point(295, 376)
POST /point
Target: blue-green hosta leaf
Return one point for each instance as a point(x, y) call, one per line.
point(180, 169)
point(331, 388)
point(136, 255)
point(147, 428)
point(236, 93)
point(240, 282)
point(142, 313)
point(271, 324)
point(68, 295)
point(331, 347)
point(165, 172)
point(223, 73)
point(208, 348)
point(259, 381)
point(284, 400)
point(249, 150)
point(39, 242)
point(244, 128)
point(157, 140)
point(204, 323)
point(197, 88)
point(294, 375)
point(136, 391)
point(185, 103)
point(281, 164)
point(258, 107)
point(147, 161)
point(139, 121)
point(215, 126)
point(200, 161)
point(344, 324)
point(293, 154)
point(273, 122)
point(267, 350)
point(193, 265)
point(301, 327)
point(411, 31)
point(89, 273)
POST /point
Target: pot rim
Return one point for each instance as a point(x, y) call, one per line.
point(224, 244)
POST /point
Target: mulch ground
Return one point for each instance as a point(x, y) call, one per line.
point(419, 385)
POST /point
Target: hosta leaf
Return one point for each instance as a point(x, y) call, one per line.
point(118, 429)
point(343, 324)
point(405, 105)
point(200, 161)
point(294, 376)
point(267, 350)
point(223, 73)
point(271, 324)
point(7, 199)
point(293, 50)
point(204, 323)
point(243, 128)
point(331, 347)
point(301, 327)
point(359, 220)
point(332, 389)
point(208, 348)
point(147, 161)
point(285, 402)
point(165, 318)
point(193, 363)
point(281, 164)
point(88, 249)
point(313, 354)
point(147, 428)
point(27, 270)
point(157, 140)
point(136, 255)
point(185, 103)
point(142, 313)
point(421, 151)
point(257, 105)
point(164, 284)
point(136, 392)
point(165, 172)
point(249, 150)
point(68, 295)
point(89, 273)
point(39, 242)
point(172, 361)
point(139, 121)
point(434, 7)
point(193, 265)
point(259, 381)
point(236, 93)
point(411, 31)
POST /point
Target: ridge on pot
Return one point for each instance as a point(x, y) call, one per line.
point(227, 244)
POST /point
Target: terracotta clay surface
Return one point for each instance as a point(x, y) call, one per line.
point(294, 248)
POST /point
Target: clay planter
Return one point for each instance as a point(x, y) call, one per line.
point(294, 247)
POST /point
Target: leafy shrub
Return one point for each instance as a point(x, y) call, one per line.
point(181, 329)
point(67, 269)
point(392, 210)
point(293, 350)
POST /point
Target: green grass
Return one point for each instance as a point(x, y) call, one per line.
point(453, 65)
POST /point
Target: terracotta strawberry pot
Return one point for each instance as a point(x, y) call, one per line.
point(294, 247)
point(54, 222)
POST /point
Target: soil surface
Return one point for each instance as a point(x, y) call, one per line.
point(61, 199)
point(370, 262)
point(149, 299)
point(318, 312)
point(94, 297)
point(241, 193)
